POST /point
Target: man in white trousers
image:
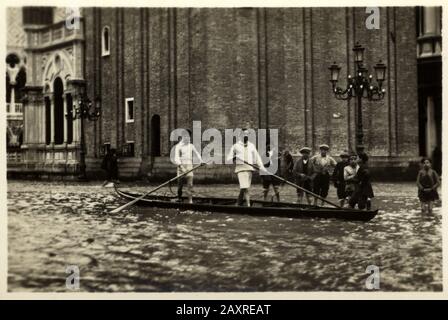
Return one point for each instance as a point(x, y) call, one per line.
point(244, 150)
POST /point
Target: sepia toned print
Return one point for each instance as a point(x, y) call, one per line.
point(224, 149)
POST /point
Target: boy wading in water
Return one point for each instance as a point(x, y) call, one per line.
point(183, 158)
point(427, 182)
point(244, 150)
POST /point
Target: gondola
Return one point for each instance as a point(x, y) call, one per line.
point(257, 208)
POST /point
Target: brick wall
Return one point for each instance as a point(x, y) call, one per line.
point(268, 66)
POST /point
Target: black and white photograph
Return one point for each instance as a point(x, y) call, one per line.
point(223, 149)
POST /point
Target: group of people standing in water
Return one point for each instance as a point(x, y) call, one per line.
point(350, 176)
point(312, 174)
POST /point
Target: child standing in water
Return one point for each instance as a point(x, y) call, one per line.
point(427, 182)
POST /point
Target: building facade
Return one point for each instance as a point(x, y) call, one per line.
point(152, 70)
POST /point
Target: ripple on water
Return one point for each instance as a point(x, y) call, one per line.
point(51, 225)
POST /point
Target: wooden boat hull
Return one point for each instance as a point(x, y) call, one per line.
point(258, 208)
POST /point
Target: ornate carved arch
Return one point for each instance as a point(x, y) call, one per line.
point(59, 65)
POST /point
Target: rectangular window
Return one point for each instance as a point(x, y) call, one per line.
point(37, 15)
point(104, 149)
point(128, 149)
point(129, 110)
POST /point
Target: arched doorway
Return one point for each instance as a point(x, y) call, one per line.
point(155, 135)
point(58, 109)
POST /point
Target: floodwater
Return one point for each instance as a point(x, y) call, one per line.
point(52, 225)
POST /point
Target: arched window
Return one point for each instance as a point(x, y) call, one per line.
point(105, 42)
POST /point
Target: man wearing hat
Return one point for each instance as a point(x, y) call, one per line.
point(338, 177)
point(303, 173)
point(323, 164)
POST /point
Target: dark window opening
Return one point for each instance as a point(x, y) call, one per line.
point(130, 110)
point(69, 119)
point(47, 120)
point(155, 136)
point(128, 149)
point(104, 149)
point(58, 110)
point(105, 42)
point(37, 15)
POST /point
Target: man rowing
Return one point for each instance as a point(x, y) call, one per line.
point(183, 158)
point(244, 151)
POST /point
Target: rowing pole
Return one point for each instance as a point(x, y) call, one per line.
point(295, 186)
point(154, 190)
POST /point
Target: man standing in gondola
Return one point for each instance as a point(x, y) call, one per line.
point(268, 179)
point(184, 154)
point(363, 194)
point(323, 165)
point(338, 177)
point(303, 173)
point(244, 151)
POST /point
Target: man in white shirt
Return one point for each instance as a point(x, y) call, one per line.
point(245, 150)
point(323, 166)
point(184, 153)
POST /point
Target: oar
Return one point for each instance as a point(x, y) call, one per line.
point(296, 186)
point(154, 190)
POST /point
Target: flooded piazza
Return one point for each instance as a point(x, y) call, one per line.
point(52, 225)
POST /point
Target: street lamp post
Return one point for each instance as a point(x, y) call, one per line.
point(359, 86)
point(84, 109)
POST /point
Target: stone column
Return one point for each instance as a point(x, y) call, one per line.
point(12, 105)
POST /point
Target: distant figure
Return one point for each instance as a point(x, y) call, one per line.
point(338, 177)
point(184, 152)
point(286, 165)
point(110, 165)
point(350, 172)
point(303, 173)
point(363, 189)
point(244, 151)
point(268, 180)
point(323, 164)
point(427, 182)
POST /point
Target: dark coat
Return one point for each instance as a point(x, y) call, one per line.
point(363, 186)
point(338, 173)
point(286, 166)
point(110, 165)
point(299, 169)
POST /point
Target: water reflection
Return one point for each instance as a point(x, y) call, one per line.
point(52, 225)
